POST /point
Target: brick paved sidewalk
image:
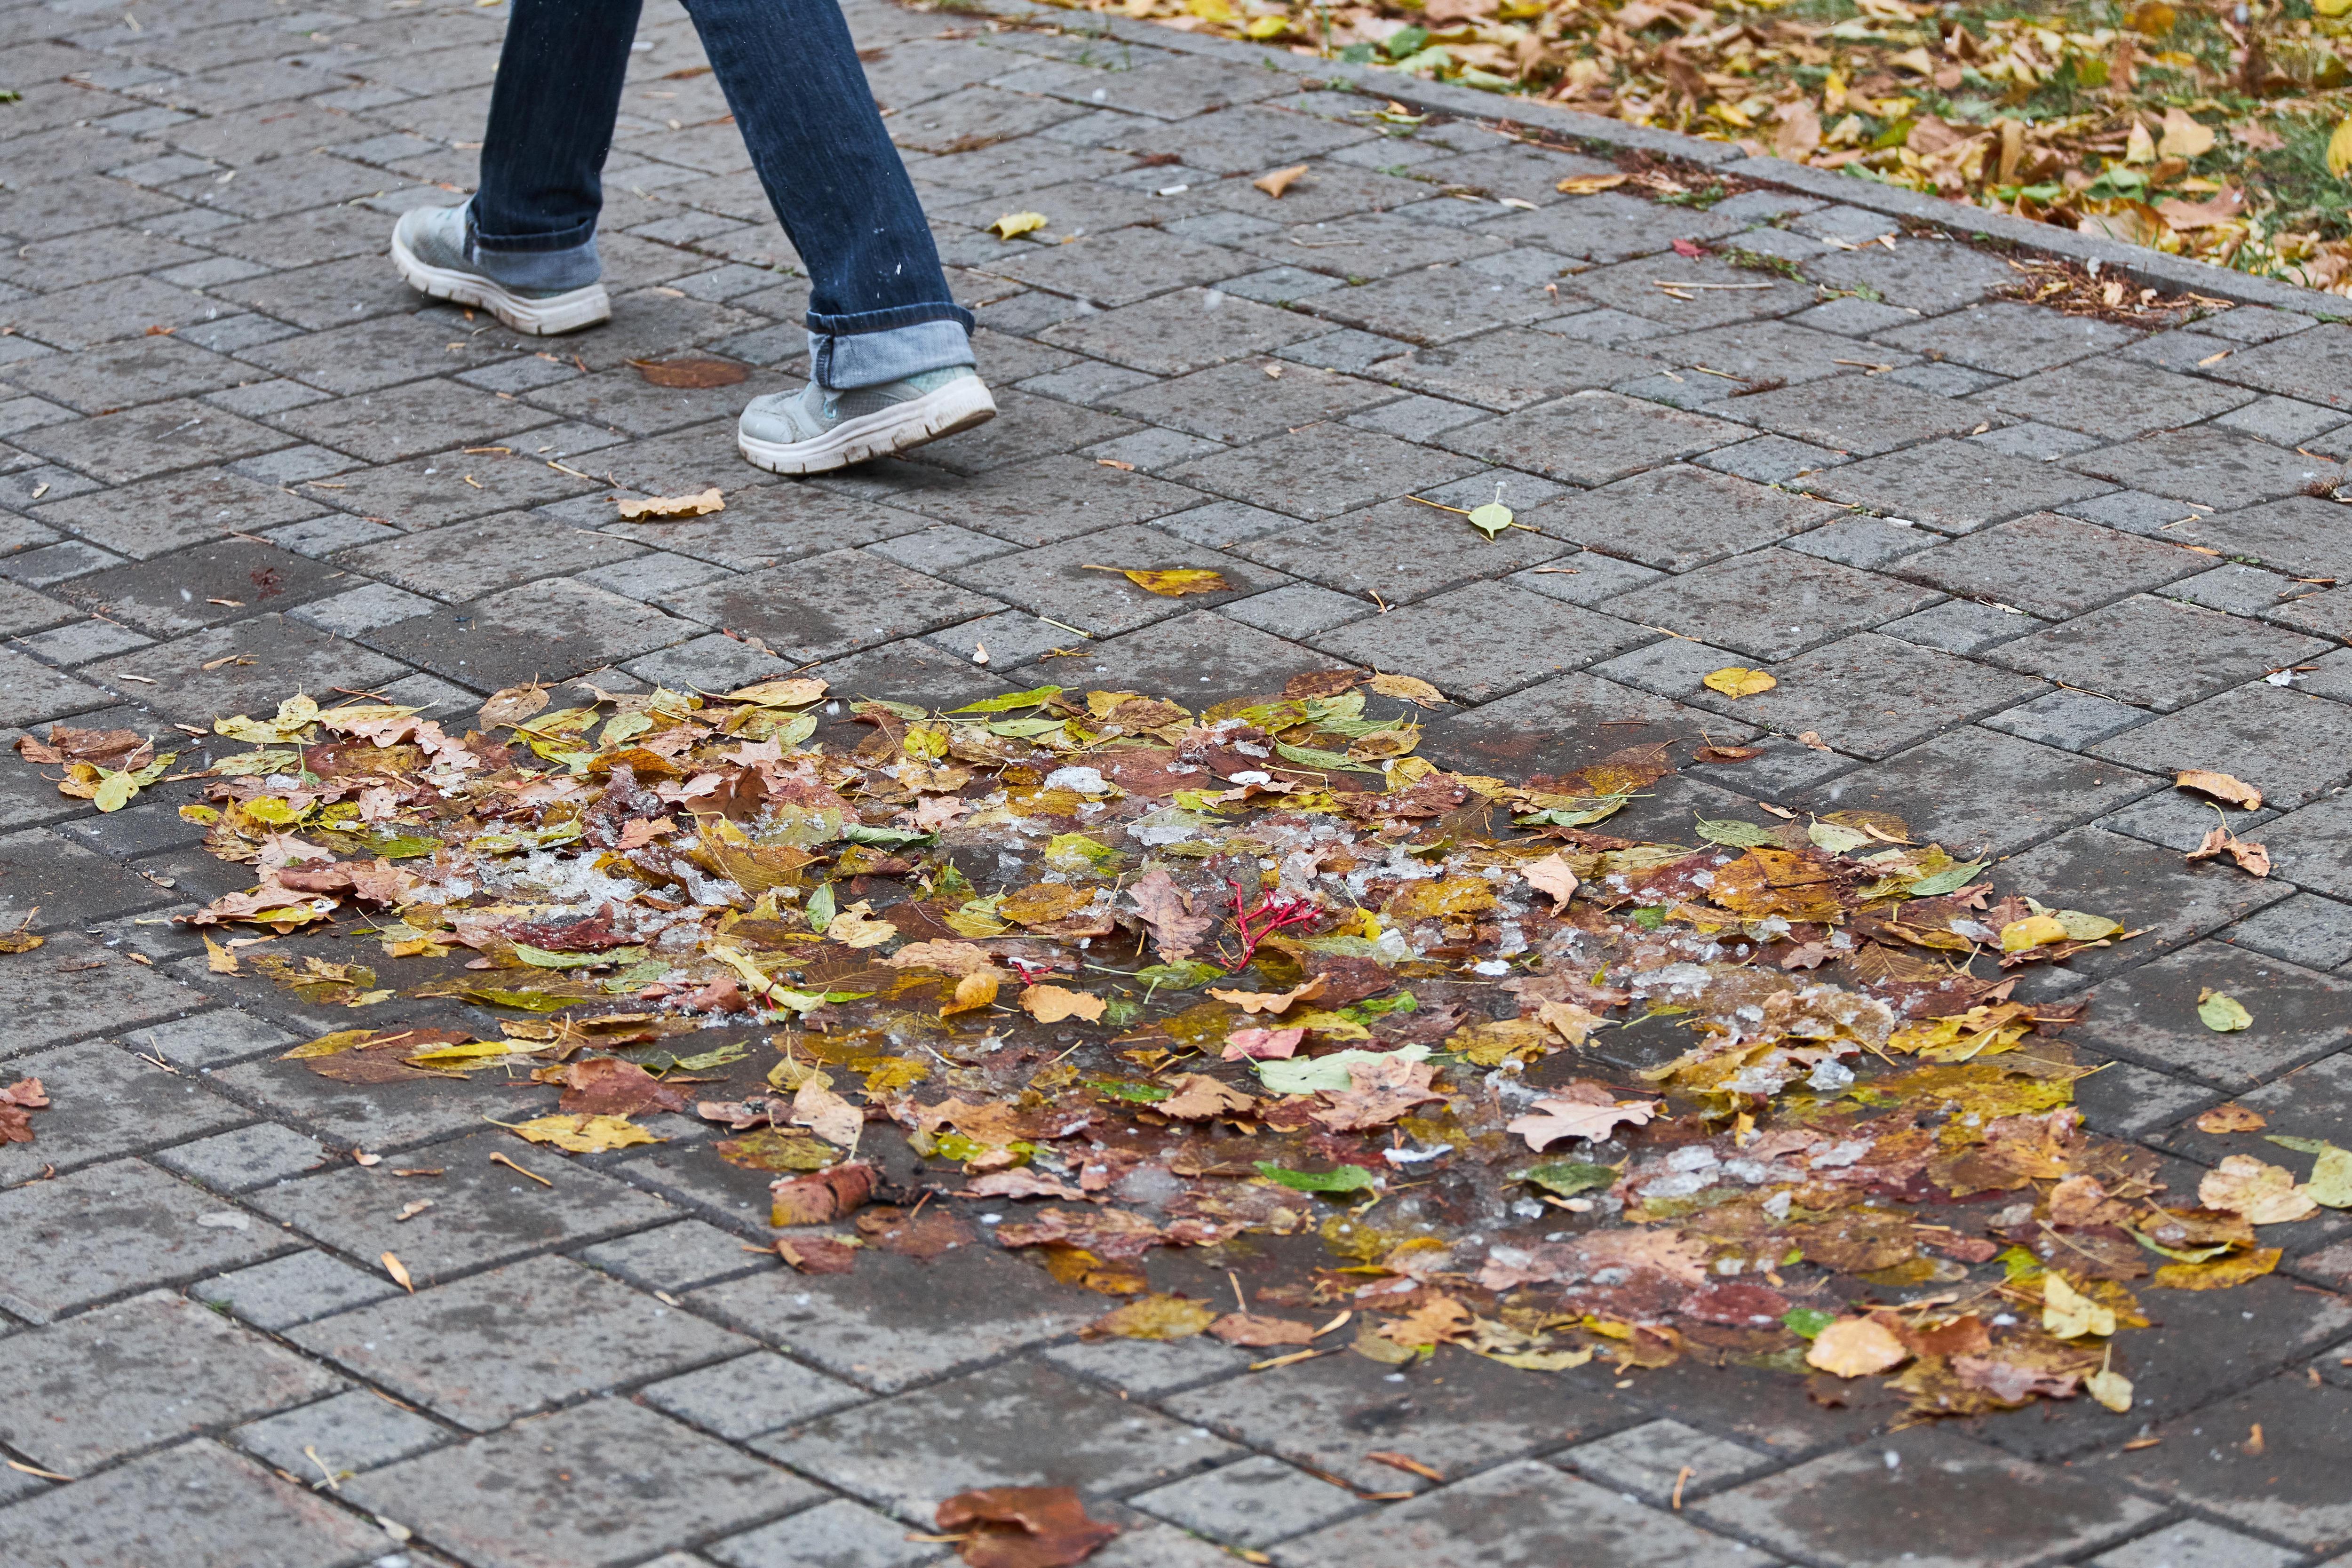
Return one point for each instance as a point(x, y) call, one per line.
point(2009, 568)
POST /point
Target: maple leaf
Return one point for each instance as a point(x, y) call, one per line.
point(1273, 1002)
point(1176, 931)
point(1557, 1119)
point(1198, 1096)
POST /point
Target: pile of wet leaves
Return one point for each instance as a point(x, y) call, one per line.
point(1120, 987)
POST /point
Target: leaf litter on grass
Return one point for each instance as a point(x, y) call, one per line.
point(1255, 989)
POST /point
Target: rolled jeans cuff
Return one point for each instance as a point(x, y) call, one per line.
point(842, 360)
point(539, 263)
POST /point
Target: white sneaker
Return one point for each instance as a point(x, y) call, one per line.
point(812, 430)
point(428, 246)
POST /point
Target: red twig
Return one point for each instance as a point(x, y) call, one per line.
point(1278, 910)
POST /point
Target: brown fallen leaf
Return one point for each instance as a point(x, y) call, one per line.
point(1551, 875)
point(1555, 1119)
point(1856, 1347)
point(1406, 1462)
point(2262, 1193)
point(1280, 180)
point(1253, 1331)
point(827, 1114)
point(1198, 1096)
point(1176, 931)
point(2251, 858)
point(1261, 1045)
point(1023, 1527)
point(1152, 1318)
point(1053, 1003)
point(1726, 753)
point(1270, 1001)
point(510, 707)
point(697, 505)
point(607, 1086)
point(399, 1272)
point(1408, 689)
point(1022, 1181)
point(2220, 787)
point(690, 373)
point(817, 1254)
point(821, 1196)
point(2232, 1118)
point(17, 1103)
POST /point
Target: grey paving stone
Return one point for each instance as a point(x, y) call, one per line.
point(1534, 638)
point(1148, 1369)
point(71, 886)
point(1414, 418)
point(1010, 639)
point(1977, 791)
point(1593, 438)
point(1065, 581)
point(194, 1504)
point(1402, 550)
point(1865, 543)
point(874, 1327)
point(2155, 653)
point(2123, 1100)
point(157, 515)
point(1022, 1424)
point(2297, 537)
point(1345, 350)
point(1591, 579)
point(1300, 611)
point(141, 1373)
point(1769, 459)
point(201, 585)
point(1511, 368)
point(2313, 1101)
point(1679, 517)
point(2305, 929)
point(1183, 331)
point(835, 1534)
point(2042, 443)
point(482, 1213)
point(2236, 590)
point(1039, 502)
point(354, 1431)
point(1921, 275)
point(1520, 1514)
point(2070, 720)
point(503, 640)
point(2310, 364)
point(2212, 467)
point(1962, 625)
point(323, 536)
point(466, 560)
point(1671, 667)
point(1152, 450)
point(2141, 1016)
point(2284, 1488)
point(1948, 1502)
point(2140, 884)
point(82, 642)
point(2010, 339)
point(207, 1039)
point(2283, 421)
point(1957, 486)
point(677, 1257)
point(2112, 398)
point(2194, 1543)
point(1859, 415)
point(937, 550)
point(1872, 696)
point(2287, 743)
point(292, 1290)
point(1660, 1460)
point(45, 568)
point(286, 656)
point(1726, 604)
point(474, 1353)
point(865, 603)
point(2055, 566)
point(1246, 399)
point(599, 1485)
point(1252, 1503)
point(57, 1001)
point(249, 1157)
point(363, 609)
point(751, 1394)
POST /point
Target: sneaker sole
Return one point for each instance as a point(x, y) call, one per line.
point(546, 316)
point(960, 405)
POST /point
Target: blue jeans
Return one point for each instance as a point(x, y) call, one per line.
point(879, 309)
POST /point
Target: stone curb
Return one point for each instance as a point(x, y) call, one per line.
point(2152, 268)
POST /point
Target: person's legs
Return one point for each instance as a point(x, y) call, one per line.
point(525, 246)
point(889, 348)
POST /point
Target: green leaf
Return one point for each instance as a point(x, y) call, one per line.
point(1024, 729)
point(1311, 1075)
point(1596, 808)
point(665, 1061)
point(1491, 519)
point(1126, 1088)
point(258, 764)
point(859, 833)
point(1566, 1178)
point(1343, 1179)
point(820, 908)
point(2300, 1145)
point(1836, 837)
point(1183, 977)
point(540, 958)
point(1010, 700)
point(2331, 1180)
point(1402, 1002)
point(1733, 834)
point(1650, 916)
point(1315, 757)
point(2223, 1014)
point(1807, 1322)
point(114, 791)
point(1405, 42)
point(1950, 879)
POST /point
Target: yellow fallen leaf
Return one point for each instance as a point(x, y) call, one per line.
point(2260, 1192)
point(2183, 136)
point(2220, 1274)
point(1013, 225)
point(856, 926)
point(2033, 931)
point(1052, 1004)
point(2069, 1314)
point(1736, 681)
point(1856, 1347)
point(975, 989)
point(2110, 1388)
point(2220, 787)
point(708, 501)
point(220, 960)
point(325, 1045)
point(793, 692)
point(1573, 1024)
point(1589, 185)
point(399, 1272)
point(1407, 689)
point(2222, 1014)
point(583, 1134)
point(1280, 180)
point(1271, 1001)
point(2339, 149)
point(1173, 583)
